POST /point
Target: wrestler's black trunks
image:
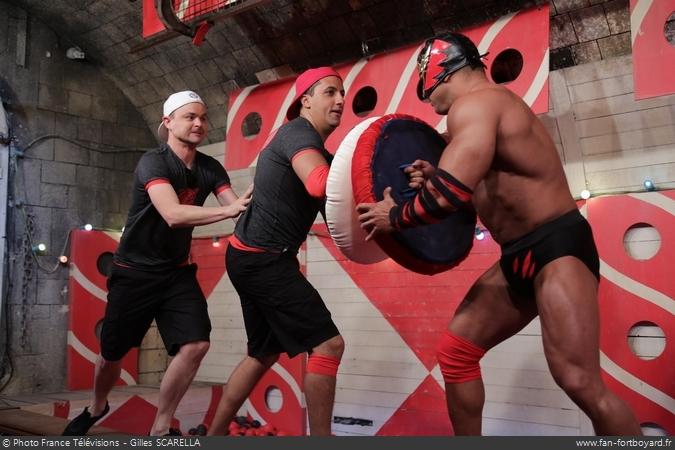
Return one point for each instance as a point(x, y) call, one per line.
point(568, 235)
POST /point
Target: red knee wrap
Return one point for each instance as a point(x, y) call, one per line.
point(458, 359)
point(322, 365)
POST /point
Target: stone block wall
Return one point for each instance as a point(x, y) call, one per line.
point(583, 31)
point(76, 141)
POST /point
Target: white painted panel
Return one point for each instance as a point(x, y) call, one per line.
point(318, 254)
point(522, 344)
point(502, 427)
point(631, 179)
point(341, 295)
point(618, 104)
point(635, 120)
point(225, 310)
point(552, 398)
point(382, 339)
point(519, 378)
point(343, 310)
point(227, 334)
point(322, 268)
point(223, 322)
point(370, 398)
point(607, 68)
point(630, 159)
point(533, 328)
point(331, 281)
point(606, 87)
point(535, 414)
point(363, 324)
point(390, 383)
point(629, 140)
point(383, 368)
point(395, 354)
point(514, 360)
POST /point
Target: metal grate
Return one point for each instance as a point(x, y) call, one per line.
point(188, 10)
point(191, 18)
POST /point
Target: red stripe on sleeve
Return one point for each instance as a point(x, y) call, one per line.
point(155, 181)
point(304, 151)
point(222, 188)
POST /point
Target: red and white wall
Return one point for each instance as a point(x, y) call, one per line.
point(609, 143)
point(391, 318)
point(609, 140)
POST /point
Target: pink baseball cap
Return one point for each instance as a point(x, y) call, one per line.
point(305, 81)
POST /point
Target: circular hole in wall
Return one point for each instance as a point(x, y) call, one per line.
point(506, 66)
point(364, 101)
point(646, 340)
point(250, 127)
point(653, 429)
point(669, 29)
point(274, 399)
point(642, 241)
point(104, 263)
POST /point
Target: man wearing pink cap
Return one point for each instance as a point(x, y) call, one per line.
point(282, 311)
point(152, 277)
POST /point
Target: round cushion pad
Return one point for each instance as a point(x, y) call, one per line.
point(384, 149)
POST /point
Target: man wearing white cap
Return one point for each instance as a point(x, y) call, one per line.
point(282, 311)
point(152, 277)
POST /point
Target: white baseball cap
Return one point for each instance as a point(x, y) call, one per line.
point(171, 104)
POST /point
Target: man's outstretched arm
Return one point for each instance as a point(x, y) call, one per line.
point(165, 200)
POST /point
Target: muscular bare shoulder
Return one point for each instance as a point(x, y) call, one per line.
point(486, 104)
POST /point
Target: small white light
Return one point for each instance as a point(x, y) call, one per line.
point(63, 259)
point(649, 185)
point(39, 249)
point(88, 227)
point(585, 194)
point(215, 241)
point(123, 229)
point(480, 235)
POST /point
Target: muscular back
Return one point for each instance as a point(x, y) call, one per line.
point(503, 152)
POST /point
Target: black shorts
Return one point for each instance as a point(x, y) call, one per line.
point(568, 235)
point(172, 297)
point(282, 311)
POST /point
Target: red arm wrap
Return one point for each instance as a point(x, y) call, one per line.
point(316, 181)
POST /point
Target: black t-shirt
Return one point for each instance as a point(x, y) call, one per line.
point(282, 211)
point(148, 243)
